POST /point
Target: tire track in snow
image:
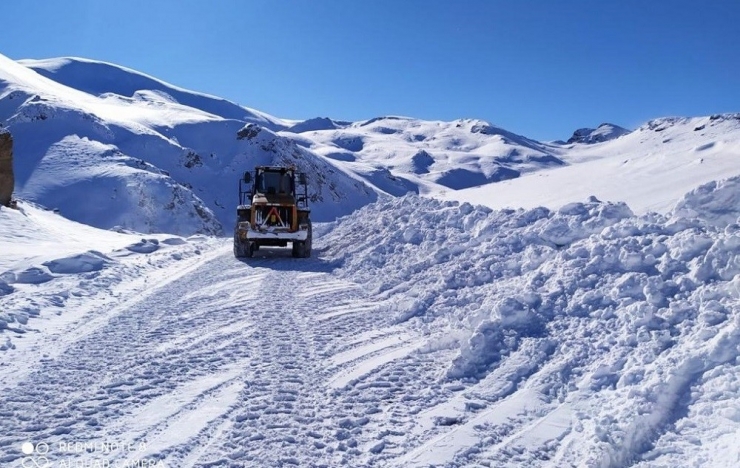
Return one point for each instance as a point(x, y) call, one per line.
point(90, 316)
point(285, 418)
point(291, 414)
point(82, 393)
point(240, 356)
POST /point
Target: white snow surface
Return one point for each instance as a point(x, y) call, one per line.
point(422, 333)
point(584, 313)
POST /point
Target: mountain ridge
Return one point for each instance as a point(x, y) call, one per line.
point(190, 140)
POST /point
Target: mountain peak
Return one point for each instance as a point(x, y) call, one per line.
point(602, 133)
point(316, 124)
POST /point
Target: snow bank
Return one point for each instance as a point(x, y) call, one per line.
point(31, 236)
point(445, 259)
point(80, 263)
point(144, 246)
point(49, 264)
point(635, 317)
point(717, 202)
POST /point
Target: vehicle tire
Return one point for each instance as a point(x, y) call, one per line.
point(308, 245)
point(238, 252)
point(243, 249)
point(299, 248)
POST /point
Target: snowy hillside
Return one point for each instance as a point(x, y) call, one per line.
point(111, 147)
point(400, 154)
point(649, 168)
point(113, 81)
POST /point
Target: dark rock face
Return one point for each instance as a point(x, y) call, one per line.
point(7, 181)
point(249, 131)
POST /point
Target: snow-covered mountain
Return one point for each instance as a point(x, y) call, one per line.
point(112, 147)
point(650, 168)
point(113, 81)
point(400, 154)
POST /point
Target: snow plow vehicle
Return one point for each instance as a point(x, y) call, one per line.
point(273, 210)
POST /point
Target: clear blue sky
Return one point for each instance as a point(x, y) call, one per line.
point(541, 68)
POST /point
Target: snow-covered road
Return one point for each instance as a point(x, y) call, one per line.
point(219, 361)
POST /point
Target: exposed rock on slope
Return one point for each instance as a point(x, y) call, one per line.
point(7, 181)
point(603, 132)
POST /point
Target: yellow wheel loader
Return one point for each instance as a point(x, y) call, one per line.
point(273, 210)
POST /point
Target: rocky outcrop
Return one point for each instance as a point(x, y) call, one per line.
point(602, 133)
point(7, 181)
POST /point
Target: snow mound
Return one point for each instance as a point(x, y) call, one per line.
point(34, 275)
point(80, 263)
point(588, 304)
point(144, 246)
point(579, 220)
point(717, 202)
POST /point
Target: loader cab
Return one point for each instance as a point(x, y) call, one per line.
point(271, 182)
point(281, 185)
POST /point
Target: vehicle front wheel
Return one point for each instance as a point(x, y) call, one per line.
point(299, 249)
point(243, 249)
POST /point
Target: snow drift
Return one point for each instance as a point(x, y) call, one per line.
point(629, 321)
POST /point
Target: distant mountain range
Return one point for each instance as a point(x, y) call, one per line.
point(114, 148)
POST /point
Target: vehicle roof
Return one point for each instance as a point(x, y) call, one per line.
point(275, 168)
